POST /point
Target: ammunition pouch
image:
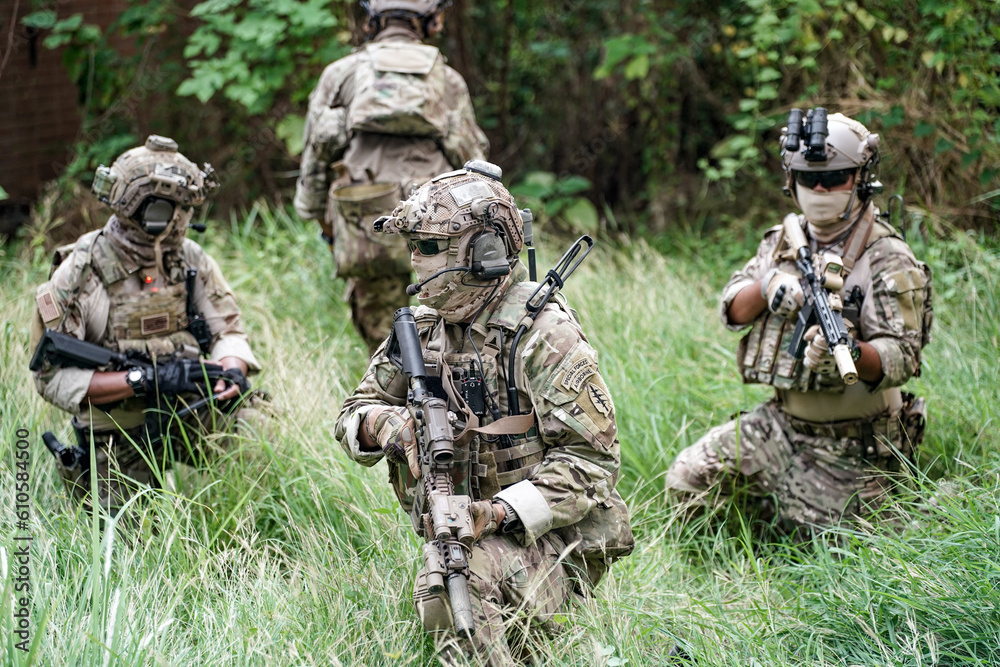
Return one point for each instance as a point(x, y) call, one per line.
point(876, 438)
point(359, 251)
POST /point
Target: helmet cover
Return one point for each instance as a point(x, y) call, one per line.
point(416, 7)
point(849, 145)
point(460, 203)
point(464, 208)
point(153, 170)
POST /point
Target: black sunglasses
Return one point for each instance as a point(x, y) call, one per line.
point(828, 179)
point(428, 247)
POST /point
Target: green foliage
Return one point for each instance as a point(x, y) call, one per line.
point(559, 199)
point(671, 110)
point(251, 53)
point(924, 74)
point(113, 82)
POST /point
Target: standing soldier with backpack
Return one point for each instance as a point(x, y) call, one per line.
point(381, 120)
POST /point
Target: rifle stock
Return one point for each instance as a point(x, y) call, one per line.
point(63, 350)
point(445, 518)
point(817, 309)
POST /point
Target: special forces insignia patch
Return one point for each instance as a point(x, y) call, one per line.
point(574, 377)
point(599, 397)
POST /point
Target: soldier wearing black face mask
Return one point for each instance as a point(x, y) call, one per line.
point(139, 287)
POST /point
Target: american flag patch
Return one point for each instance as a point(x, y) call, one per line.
point(155, 324)
point(48, 308)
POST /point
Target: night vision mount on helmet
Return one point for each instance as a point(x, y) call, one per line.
point(818, 142)
point(145, 183)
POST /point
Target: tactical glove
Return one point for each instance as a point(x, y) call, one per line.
point(393, 430)
point(783, 293)
point(817, 357)
point(235, 376)
point(484, 519)
point(178, 377)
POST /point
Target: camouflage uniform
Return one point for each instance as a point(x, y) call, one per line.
point(821, 449)
point(559, 476)
point(364, 114)
point(115, 287)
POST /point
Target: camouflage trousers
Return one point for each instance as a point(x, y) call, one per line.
point(516, 591)
point(815, 473)
point(373, 302)
point(124, 462)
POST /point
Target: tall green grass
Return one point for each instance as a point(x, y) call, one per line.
point(284, 552)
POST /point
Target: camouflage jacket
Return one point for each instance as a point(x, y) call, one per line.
point(379, 157)
point(894, 316)
point(100, 272)
point(572, 452)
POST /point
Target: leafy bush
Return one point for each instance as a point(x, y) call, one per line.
point(670, 110)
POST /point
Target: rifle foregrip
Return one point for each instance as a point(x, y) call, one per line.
point(845, 363)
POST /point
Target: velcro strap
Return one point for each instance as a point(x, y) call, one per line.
point(511, 478)
point(511, 425)
point(518, 451)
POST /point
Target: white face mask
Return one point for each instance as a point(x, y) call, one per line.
point(823, 209)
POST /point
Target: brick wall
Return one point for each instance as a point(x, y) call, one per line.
point(39, 104)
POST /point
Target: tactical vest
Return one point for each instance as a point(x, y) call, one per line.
point(400, 89)
point(763, 356)
point(484, 464)
point(150, 320)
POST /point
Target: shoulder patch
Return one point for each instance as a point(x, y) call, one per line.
point(578, 373)
point(48, 307)
point(599, 397)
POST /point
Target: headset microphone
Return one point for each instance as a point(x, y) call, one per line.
point(411, 290)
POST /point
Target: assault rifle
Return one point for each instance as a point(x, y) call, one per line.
point(62, 350)
point(817, 308)
point(445, 519)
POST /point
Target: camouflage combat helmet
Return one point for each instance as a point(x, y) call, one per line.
point(153, 170)
point(819, 142)
point(458, 203)
point(415, 7)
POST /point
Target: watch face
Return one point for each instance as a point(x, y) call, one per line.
point(134, 375)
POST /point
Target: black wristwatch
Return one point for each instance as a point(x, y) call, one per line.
point(510, 522)
point(855, 350)
point(136, 378)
